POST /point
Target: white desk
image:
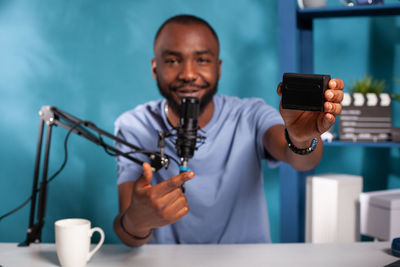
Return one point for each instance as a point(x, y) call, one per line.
point(354, 254)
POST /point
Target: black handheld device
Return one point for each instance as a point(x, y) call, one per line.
point(304, 91)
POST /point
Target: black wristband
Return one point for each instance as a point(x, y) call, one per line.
point(300, 151)
point(133, 236)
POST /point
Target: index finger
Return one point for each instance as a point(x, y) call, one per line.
point(173, 183)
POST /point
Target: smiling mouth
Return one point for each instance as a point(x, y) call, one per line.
point(192, 92)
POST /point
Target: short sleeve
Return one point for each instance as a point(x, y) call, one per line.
point(127, 170)
point(263, 117)
point(138, 127)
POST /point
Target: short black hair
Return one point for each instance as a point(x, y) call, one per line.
point(186, 20)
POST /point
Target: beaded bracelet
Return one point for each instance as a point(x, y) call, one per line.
point(133, 236)
point(300, 151)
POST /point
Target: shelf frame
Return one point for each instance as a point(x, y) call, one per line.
point(296, 53)
point(338, 143)
point(347, 11)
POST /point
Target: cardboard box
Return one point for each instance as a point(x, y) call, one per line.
point(380, 214)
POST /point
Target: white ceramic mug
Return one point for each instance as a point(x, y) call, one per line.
point(73, 241)
point(311, 3)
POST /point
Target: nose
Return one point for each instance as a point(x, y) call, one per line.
point(188, 72)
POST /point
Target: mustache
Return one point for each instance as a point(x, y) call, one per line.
point(176, 87)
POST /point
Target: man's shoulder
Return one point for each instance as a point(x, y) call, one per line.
point(250, 110)
point(142, 112)
point(237, 103)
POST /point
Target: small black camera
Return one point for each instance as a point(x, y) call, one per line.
point(304, 91)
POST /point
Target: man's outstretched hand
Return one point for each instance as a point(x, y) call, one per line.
point(158, 205)
point(306, 125)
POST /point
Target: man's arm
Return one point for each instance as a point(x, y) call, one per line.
point(302, 128)
point(275, 143)
point(143, 207)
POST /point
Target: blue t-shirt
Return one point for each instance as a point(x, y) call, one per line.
point(226, 197)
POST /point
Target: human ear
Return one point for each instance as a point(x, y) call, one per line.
point(154, 68)
point(219, 68)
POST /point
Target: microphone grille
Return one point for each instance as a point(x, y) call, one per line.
point(190, 107)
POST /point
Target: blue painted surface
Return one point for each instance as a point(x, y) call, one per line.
point(92, 60)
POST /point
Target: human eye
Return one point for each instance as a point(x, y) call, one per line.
point(203, 60)
point(171, 60)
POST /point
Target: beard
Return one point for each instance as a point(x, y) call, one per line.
point(176, 107)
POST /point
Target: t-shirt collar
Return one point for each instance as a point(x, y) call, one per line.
point(217, 108)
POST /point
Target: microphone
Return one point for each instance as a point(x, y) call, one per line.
point(187, 131)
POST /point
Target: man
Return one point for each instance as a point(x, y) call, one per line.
point(225, 202)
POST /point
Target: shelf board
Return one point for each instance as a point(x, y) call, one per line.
point(362, 144)
point(349, 11)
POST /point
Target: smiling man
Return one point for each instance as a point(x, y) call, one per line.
point(224, 199)
point(186, 64)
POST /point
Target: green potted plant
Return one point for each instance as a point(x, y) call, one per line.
point(368, 85)
point(367, 112)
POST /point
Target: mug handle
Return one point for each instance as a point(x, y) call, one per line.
point(300, 2)
point(101, 232)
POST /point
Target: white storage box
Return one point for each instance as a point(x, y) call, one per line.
point(380, 214)
point(332, 208)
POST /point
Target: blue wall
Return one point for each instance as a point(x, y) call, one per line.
point(92, 59)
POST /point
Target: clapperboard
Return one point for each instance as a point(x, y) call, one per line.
point(365, 117)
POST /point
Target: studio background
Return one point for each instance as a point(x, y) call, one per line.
point(92, 60)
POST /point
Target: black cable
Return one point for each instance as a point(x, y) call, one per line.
point(65, 153)
point(51, 177)
point(176, 161)
point(16, 209)
point(146, 152)
point(103, 144)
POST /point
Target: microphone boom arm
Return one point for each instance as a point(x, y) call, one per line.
point(51, 116)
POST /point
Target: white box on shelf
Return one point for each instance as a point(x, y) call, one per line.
point(380, 214)
point(332, 208)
